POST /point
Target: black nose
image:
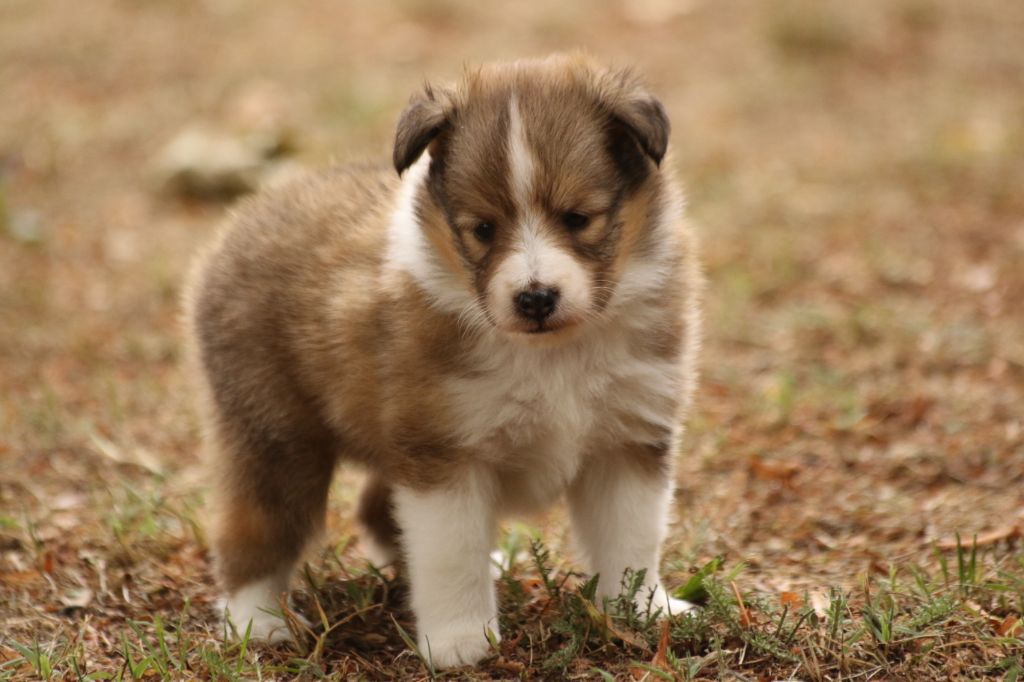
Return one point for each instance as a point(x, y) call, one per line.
point(537, 304)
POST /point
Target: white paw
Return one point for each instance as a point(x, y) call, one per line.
point(457, 646)
point(266, 627)
point(670, 606)
point(255, 609)
point(376, 553)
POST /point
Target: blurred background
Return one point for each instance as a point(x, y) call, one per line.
point(855, 171)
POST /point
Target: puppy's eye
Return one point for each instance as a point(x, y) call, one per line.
point(575, 221)
point(484, 232)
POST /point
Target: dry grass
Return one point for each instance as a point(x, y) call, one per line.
point(856, 171)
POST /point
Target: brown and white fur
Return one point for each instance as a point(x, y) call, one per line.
point(364, 316)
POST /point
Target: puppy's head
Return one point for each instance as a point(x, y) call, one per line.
point(544, 178)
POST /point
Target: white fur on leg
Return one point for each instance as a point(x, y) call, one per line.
point(377, 553)
point(448, 533)
point(259, 603)
point(620, 514)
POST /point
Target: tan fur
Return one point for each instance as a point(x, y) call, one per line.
point(312, 350)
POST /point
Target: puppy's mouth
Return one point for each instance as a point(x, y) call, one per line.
point(554, 327)
point(547, 328)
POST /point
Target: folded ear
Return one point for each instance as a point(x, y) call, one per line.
point(646, 120)
point(422, 120)
point(640, 113)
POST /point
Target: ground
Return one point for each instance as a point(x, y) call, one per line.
point(855, 171)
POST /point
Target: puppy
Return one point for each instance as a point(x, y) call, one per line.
point(510, 318)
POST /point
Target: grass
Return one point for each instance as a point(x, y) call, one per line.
point(906, 623)
point(849, 506)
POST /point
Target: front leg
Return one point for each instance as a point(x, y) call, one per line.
point(620, 505)
point(447, 533)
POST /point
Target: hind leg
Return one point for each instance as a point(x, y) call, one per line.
point(270, 498)
point(379, 536)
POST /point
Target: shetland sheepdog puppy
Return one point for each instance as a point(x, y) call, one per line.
point(511, 317)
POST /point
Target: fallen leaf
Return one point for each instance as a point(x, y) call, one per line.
point(514, 667)
point(602, 620)
point(791, 599)
point(532, 586)
point(990, 538)
point(19, 577)
point(784, 472)
point(77, 598)
point(1010, 627)
point(660, 659)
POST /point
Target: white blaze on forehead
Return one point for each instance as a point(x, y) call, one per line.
point(536, 258)
point(526, 265)
point(520, 158)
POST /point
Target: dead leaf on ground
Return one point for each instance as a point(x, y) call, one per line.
point(77, 598)
point(13, 578)
point(514, 667)
point(1010, 626)
point(990, 538)
point(791, 599)
point(784, 472)
point(660, 659)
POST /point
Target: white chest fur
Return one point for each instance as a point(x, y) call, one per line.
point(537, 412)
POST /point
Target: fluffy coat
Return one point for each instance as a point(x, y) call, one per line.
point(391, 320)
